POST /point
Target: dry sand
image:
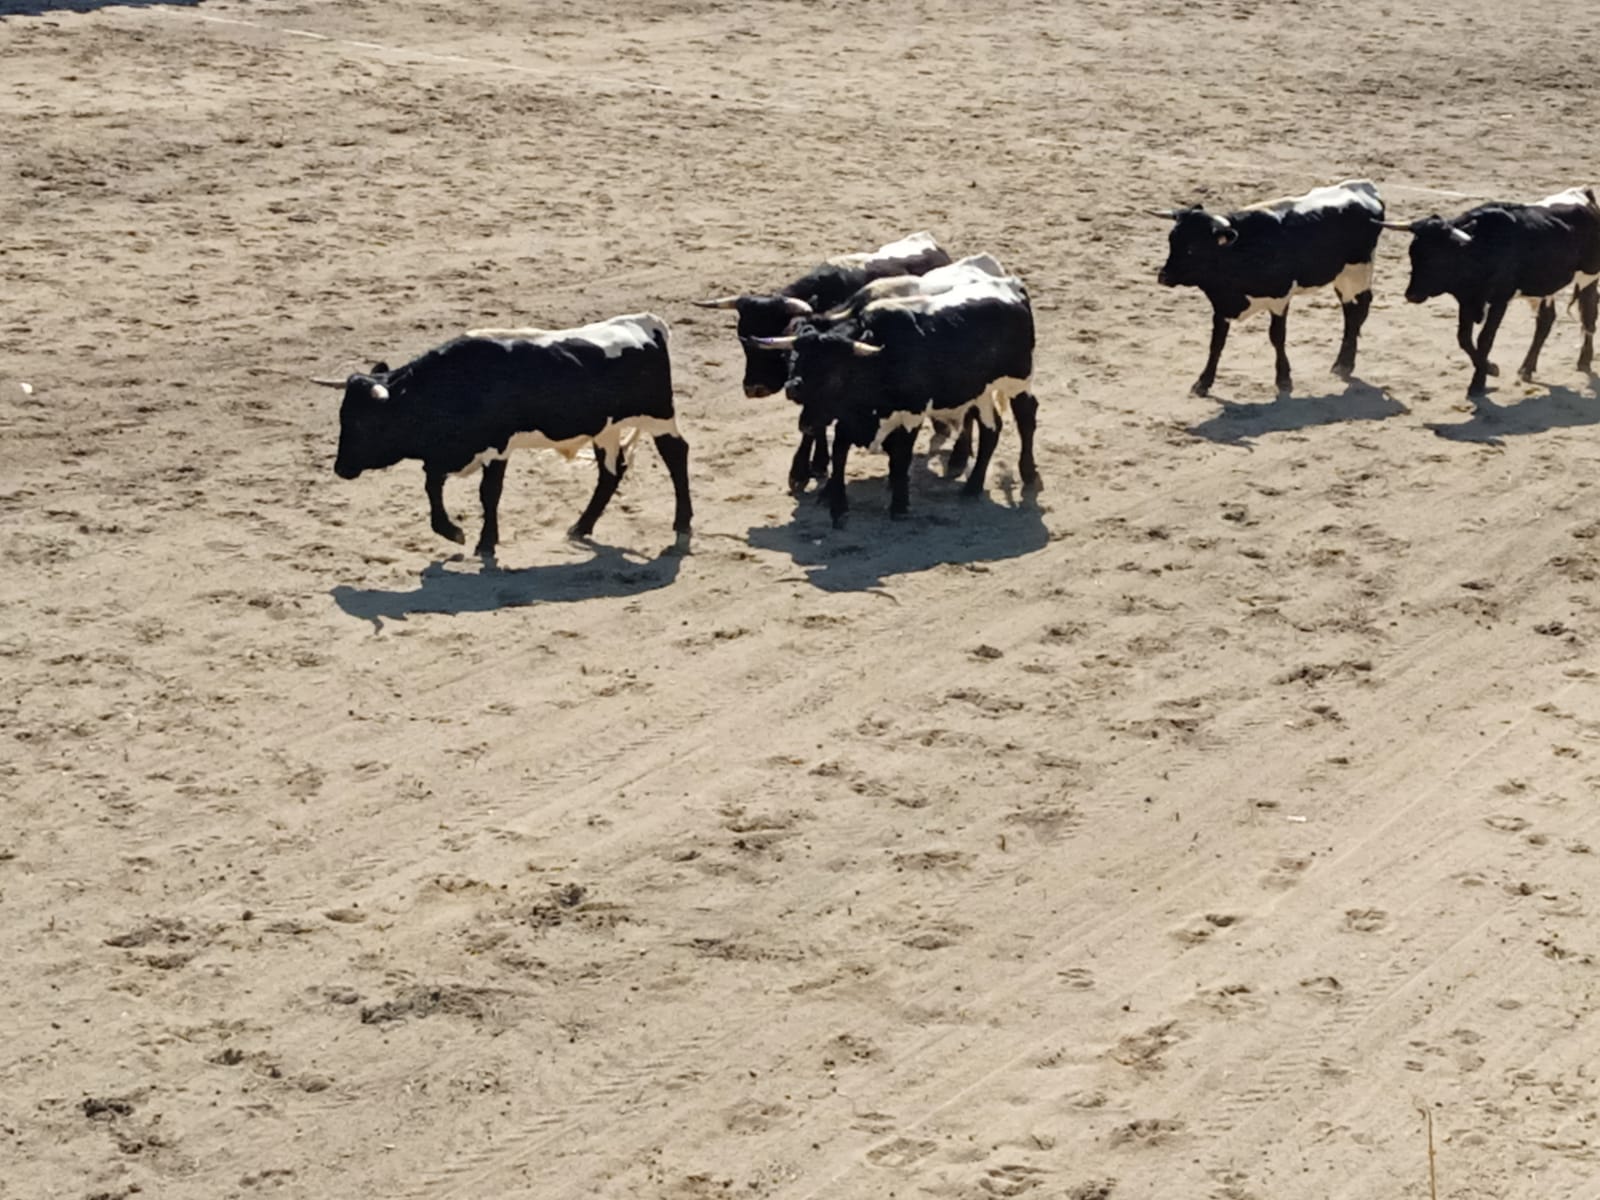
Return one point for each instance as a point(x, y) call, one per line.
point(1178, 836)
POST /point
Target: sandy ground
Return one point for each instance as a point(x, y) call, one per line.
point(1179, 835)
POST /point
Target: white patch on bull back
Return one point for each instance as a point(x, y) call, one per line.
point(995, 398)
point(975, 268)
point(617, 435)
point(909, 251)
point(612, 336)
point(1007, 288)
point(1573, 195)
point(1339, 195)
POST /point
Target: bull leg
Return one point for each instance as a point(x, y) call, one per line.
point(1491, 326)
point(604, 488)
point(1219, 339)
point(1541, 330)
point(1469, 317)
point(1355, 316)
point(899, 444)
point(494, 477)
point(674, 453)
point(819, 455)
point(1025, 407)
point(437, 516)
point(1278, 333)
point(838, 502)
point(988, 439)
point(800, 465)
point(961, 448)
point(1588, 310)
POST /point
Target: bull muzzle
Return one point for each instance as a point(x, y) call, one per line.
point(758, 391)
point(1164, 279)
point(345, 471)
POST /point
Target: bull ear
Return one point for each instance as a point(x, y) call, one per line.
point(1228, 236)
point(380, 368)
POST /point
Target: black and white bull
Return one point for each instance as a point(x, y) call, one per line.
point(468, 403)
point(823, 287)
point(902, 360)
point(1492, 253)
point(1258, 258)
point(972, 269)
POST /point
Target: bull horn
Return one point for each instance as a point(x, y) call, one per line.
point(797, 307)
point(320, 381)
point(772, 343)
point(720, 302)
point(1406, 225)
point(865, 349)
point(1166, 214)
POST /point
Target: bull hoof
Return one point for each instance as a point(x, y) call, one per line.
point(451, 532)
point(485, 551)
point(1492, 369)
point(1201, 388)
point(798, 484)
point(680, 545)
point(1344, 370)
point(1285, 388)
point(839, 520)
point(1032, 484)
point(580, 532)
point(1525, 374)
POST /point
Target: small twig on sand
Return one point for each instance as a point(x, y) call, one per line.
point(1433, 1180)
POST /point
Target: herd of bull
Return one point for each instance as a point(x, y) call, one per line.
point(871, 346)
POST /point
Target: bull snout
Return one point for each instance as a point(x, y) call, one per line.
point(1414, 297)
point(344, 470)
point(758, 391)
point(1164, 279)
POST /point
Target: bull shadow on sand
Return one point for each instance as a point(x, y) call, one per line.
point(942, 528)
point(42, 8)
point(1554, 408)
point(1238, 424)
point(462, 586)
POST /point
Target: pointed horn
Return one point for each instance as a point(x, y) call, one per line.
point(1166, 214)
point(772, 343)
point(797, 307)
point(321, 381)
point(865, 349)
point(1405, 225)
point(720, 302)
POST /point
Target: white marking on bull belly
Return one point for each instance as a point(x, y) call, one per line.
point(612, 336)
point(1348, 284)
point(1352, 281)
point(1276, 305)
point(616, 436)
point(995, 398)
